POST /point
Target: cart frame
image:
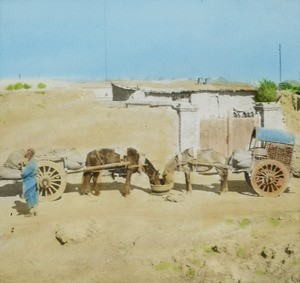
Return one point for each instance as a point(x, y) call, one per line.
point(272, 154)
point(52, 175)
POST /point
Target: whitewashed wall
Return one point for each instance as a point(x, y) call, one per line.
point(215, 105)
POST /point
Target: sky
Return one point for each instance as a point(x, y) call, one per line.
point(237, 40)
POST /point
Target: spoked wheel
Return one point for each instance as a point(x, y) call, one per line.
point(52, 180)
point(269, 178)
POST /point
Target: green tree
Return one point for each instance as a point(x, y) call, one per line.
point(41, 85)
point(266, 91)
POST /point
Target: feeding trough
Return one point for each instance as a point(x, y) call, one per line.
point(162, 188)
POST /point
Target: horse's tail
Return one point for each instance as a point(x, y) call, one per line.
point(87, 174)
point(85, 177)
point(88, 160)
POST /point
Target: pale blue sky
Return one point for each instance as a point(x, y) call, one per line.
point(149, 39)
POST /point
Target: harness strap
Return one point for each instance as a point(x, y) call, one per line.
point(98, 155)
point(195, 153)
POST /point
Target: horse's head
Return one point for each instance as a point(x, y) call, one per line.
point(152, 173)
point(155, 180)
point(171, 166)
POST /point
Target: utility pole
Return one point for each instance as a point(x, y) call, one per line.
point(279, 63)
point(105, 42)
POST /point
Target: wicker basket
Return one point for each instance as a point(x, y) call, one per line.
point(280, 152)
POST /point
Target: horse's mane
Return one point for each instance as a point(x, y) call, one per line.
point(148, 163)
point(172, 164)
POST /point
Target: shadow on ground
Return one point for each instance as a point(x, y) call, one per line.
point(105, 186)
point(21, 207)
point(11, 190)
point(238, 186)
point(233, 186)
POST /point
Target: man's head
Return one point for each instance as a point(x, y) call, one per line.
point(29, 153)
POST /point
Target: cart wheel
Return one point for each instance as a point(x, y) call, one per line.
point(269, 178)
point(52, 180)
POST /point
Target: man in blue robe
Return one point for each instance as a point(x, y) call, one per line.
point(30, 190)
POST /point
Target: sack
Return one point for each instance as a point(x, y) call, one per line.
point(73, 160)
point(9, 173)
point(14, 159)
point(240, 159)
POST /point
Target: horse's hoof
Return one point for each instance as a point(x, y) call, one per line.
point(125, 194)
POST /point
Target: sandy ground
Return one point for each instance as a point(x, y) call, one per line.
point(202, 237)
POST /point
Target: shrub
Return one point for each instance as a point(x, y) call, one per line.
point(41, 85)
point(274, 221)
point(244, 222)
point(229, 221)
point(164, 265)
point(261, 272)
point(293, 86)
point(241, 252)
point(10, 87)
point(211, 248)
point(266, 92)
point(18, 85)
point(285, 85)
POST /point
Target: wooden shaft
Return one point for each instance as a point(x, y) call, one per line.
point(105, 166)
point(100, 167)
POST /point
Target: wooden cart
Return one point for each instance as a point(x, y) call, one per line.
point(271, 160)
point(52, 176)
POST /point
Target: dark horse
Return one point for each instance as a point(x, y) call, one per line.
point(191, 160)
point(108, 156)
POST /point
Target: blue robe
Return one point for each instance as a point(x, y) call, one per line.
point(30, 190)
